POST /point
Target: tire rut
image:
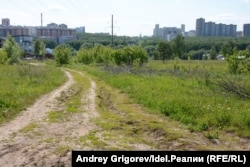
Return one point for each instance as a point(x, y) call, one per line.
point(48, 144)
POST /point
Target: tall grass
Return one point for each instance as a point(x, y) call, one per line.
point(184, 91)
point(21, 85)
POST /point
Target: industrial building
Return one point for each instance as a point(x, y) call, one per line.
point(168, 33)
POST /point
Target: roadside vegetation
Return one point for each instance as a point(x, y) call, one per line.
point(178, 79)
point(22, 84)
point(196, 93)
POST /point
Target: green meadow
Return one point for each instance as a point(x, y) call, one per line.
point(21, 85)
point(200, 94)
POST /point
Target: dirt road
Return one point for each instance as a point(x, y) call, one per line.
point(30, 140)
point(34, 138)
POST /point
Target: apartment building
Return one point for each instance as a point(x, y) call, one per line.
point(59, 33)
point(55, 32)
point(6, 22)
point(246, 30)
point(212, 29)
point(13, 30)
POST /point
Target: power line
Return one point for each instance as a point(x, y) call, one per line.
point(21, 7)
point(112, 29)
point(48, 13)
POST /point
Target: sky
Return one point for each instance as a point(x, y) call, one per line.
point(131, 17)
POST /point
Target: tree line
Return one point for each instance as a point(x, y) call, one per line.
point(138, 50)
point(99, 54)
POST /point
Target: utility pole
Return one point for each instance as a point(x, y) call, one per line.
point(112, 30)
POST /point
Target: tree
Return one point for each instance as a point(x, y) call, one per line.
point(213, 53)
point(49, 43)
point(12, 50)
point(3, 56)
point(39, 48)
point(62, 54)
point(83, 56)
point(42, 50)
point(165, 50)
point(228, 48)
point(36, 47)
point(179, 46)
point(233, 62)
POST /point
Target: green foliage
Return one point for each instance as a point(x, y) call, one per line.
point(36, 47)
point(63, 54)
point(197, 55)
point(179, 46)
point(42, 49)
point(165, 50)
point(217, 43)
point(39, 48)
point(11, 48)
point(239, 62)
point(152, 51)
point(213, 53)
point(106, 55)
point(102, 39)
point(49, 43)
point(83, 56)
point(188, 95)
point(21, 85)
point(3, 57)
point(129, 55)
point(233, 62)
point(228, 48)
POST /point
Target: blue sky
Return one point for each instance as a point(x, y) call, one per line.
point(131, 17)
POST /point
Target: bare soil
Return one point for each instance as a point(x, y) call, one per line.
point(46, 144)
point(32, 140)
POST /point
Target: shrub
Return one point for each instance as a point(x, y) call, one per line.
point(106, 55)
point(83, 56)
point(12, 50)
point(3, 57)
point(62, 54)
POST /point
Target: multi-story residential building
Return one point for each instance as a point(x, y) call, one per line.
point(24, 35)
point(168, 33)
point(246, 30)
point(183, 28)
point(59, 33)
point(55, 33)
point(80, 29)
point(13, 30)
point(211, 29)
point(5, 22)
point(191, 33)
point(200, 27)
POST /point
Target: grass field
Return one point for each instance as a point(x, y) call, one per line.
point(200, 94)
point(21, 85)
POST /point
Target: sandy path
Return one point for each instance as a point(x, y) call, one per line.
point(48, 144)
point(35, 112)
